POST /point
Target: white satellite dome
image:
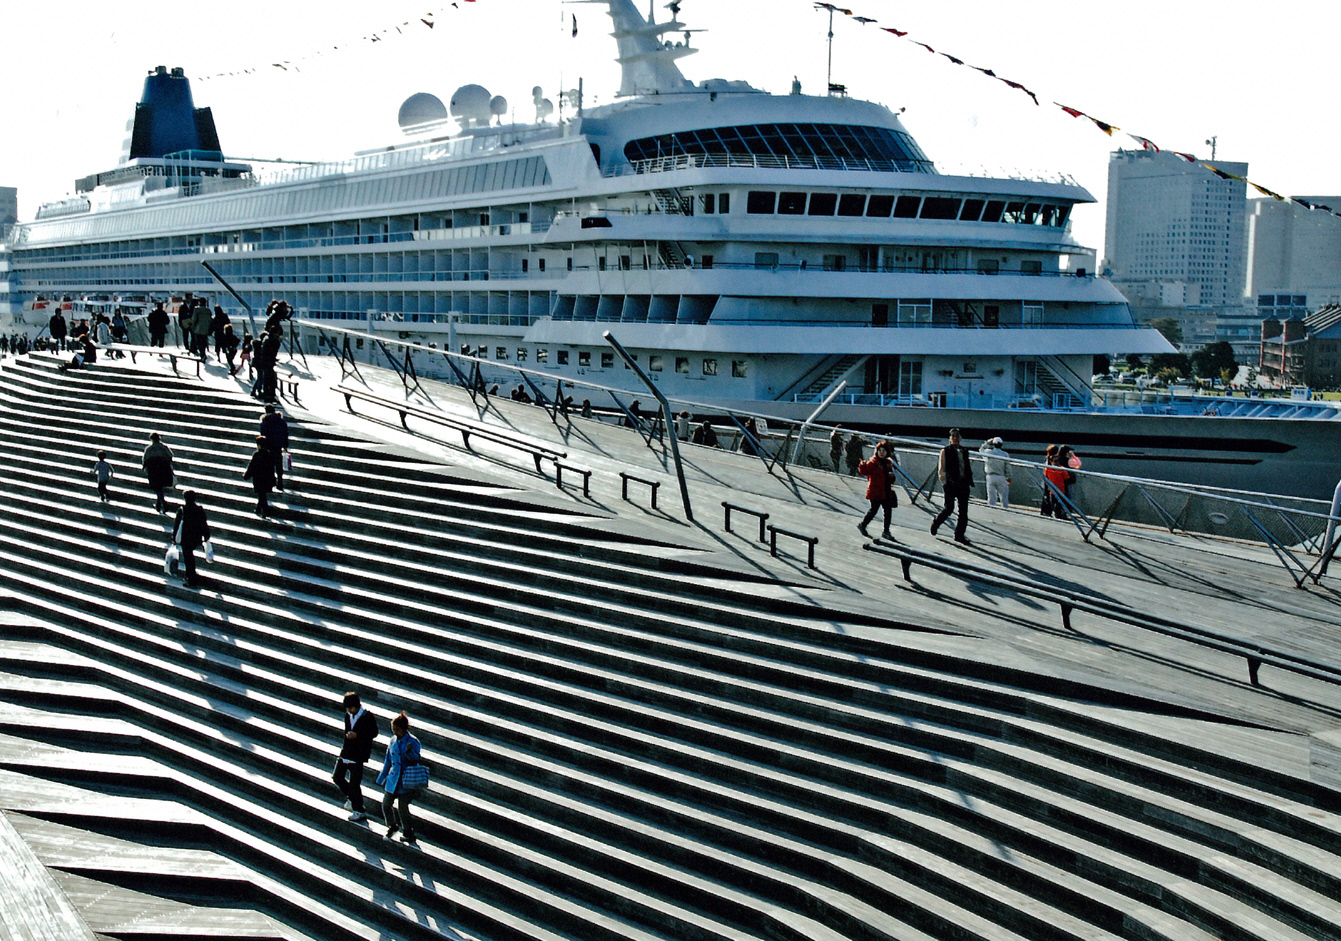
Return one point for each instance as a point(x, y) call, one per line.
point(419, 110)
point(470, 105)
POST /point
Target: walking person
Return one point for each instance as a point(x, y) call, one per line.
point(261, 472)
point(1058, 473)
point(228, 347)
point(881, 487)
point(190, 532)
point(57, 328)
point(853, 450)
point(157, 464)
point(956, 475)
point(836, 446)
point(275, 430)
point(402, 752)
point(996, 469)
point(185, 312)
point(119, 332)
point(157, 322)
point(245, 359)
point(103, 474)
point(266, 361)
point(218, 322)
point(200, 328)
point(360, 733)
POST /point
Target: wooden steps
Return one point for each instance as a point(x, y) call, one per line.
point(629, 740)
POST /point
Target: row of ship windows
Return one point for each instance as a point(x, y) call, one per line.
point(883, 206)
point(656, 362)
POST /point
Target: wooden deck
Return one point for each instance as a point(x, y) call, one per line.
point(80, 859)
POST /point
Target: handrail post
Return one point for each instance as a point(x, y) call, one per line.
point(666, 413)
point(805, 425)
point(251, 319)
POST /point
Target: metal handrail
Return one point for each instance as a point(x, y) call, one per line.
point(1314, 511)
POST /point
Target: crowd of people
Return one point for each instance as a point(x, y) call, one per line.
point(198, 326)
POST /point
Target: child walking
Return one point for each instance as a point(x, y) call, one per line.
point(102, 472)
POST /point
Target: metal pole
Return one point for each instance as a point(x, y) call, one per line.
point(251, 319)
point(805, 425)
point(666, 413)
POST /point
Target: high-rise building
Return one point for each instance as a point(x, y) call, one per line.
point(1294, 256)
point(1174, 222)
point(9, 207)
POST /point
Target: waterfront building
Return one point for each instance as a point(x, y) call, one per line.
point(1303, 351)
point(1173, 221)
point(1294, 256)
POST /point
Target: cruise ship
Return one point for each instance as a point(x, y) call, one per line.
point(752, 250)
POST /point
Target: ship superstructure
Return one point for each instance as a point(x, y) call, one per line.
point(747, 247)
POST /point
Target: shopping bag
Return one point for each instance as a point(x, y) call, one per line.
point(209, 551)
point(288, 461)
point(414, 777)
point(171, 558)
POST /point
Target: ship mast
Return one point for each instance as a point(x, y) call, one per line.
point(646, 60)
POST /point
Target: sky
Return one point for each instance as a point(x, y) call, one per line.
point(1176, 72)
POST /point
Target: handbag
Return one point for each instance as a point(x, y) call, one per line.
point(414, 777)
point(171, 558)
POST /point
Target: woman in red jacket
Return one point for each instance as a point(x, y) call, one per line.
point(880, 488)
point(1060, 477)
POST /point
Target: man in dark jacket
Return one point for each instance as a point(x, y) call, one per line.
point(157, 463)
point(956, 475)
point(360, 732)
point(190, 531)
point(56, 327)
point(261, 472)
point(275, 431)
point(158, 324)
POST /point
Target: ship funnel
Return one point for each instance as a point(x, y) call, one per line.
point(167, 120)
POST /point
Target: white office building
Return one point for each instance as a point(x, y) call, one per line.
point(1294, 256)
point(1175, 222)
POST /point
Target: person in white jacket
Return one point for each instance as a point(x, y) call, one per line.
point(996, 468)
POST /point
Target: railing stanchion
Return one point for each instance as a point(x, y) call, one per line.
point(666, 415)
point(805, 425)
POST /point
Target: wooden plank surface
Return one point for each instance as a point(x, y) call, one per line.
point(32, 905)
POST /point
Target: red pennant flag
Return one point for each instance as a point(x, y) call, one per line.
point(1188, 157)
point(896, 32)
point(1145, 143)
point(1020, 87)
point(1071, 111)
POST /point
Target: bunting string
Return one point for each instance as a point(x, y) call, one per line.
point(427, 21)
point(1103, 126)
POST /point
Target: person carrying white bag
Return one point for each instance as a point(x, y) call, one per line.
point(191, 531)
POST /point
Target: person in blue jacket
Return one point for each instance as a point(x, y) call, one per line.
point(401, 752)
